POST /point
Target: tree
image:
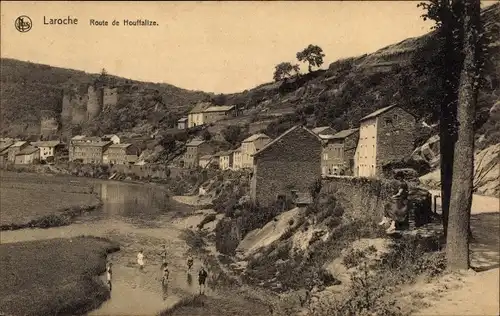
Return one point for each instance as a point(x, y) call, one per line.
point(457, 243)
point(233, 134)
point(285, 70)
point(219, 99)
point(449, 59)
point(206, 135)
point(313, 54)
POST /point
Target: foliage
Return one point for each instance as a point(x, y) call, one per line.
point(313, 55)
point(234, 134)
point(205, 135)
point(285, 70)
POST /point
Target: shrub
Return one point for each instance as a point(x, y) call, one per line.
point(209, 218)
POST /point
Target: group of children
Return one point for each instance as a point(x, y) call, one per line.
point(202, 274)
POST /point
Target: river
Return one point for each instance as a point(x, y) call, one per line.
point(137, 216)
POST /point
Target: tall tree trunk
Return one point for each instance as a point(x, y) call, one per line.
point(457, 248)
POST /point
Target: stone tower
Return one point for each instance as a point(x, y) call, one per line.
point(94, 102)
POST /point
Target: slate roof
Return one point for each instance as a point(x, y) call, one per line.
point(318, 130)
point(96, 144)
point(19, 143)
point(283, 135)
point(49, 143)
point(182, 119)
point(340, 135)
point(222, 108)
point(27, 151)
point(195, 142)
point(378, 112)
point(199, 107)
point(254, 137)
point(123, 145)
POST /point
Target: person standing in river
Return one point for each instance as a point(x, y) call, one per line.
point(140, 260)
point(109, 274)
point(202, 278)
point(163, 256)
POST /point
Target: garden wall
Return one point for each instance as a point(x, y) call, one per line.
point(366, 197)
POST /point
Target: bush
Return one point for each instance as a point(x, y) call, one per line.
point(209, 218)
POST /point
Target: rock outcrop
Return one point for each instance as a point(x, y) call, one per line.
point(486, 173)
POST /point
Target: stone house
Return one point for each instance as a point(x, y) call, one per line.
point(217, 113)
point(288, 165)
point(182, 123)
point(385, 136)
point(237, 163)
point(111, 137)
point(28, 155)
point(205, 160)
point(225, 160)
point(4, 151)
point(121, 154)
point(195, 116)
point(16, 148)
point(323, 130)
point(337, 156)
point(194, 150)
point(88, 152)
point(250, 146)
point(48, 149)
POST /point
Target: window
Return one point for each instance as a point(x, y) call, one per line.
point(325, 156)
point(388, 121)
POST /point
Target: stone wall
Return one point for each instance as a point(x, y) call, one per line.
point(109, 97)
point(291, 162)
point(153, 171)
point(366, 197)
point(394, 141)
point(94, 102)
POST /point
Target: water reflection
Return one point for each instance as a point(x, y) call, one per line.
point(133, 201)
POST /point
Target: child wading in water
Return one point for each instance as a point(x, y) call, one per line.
point(190, 263)
point(109, 274)
point(202, 277)
point(140, 260)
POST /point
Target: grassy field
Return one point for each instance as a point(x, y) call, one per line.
point(36, 200)
point(53, 277)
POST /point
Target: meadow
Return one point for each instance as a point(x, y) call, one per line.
point(54, 276)
point(32, 200)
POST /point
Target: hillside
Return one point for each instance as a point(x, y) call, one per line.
point(403, 73)
point(27, 89)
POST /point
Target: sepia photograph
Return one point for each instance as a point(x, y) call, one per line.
point(248, 158)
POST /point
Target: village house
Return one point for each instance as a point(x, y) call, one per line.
point(195, 116)
point(111, 137)
point(53, 148)
point(28, 155)
point(250, 146)
point(323, 130)
point(4, 151)
point(16, 148)
point(286, 167)
point(121, 154)
point(225, 160)
point(237, 163)
point(88, 152)
point(217, 113)
point(194, 150)
point(385, 135)
point(182, 123)
point(337, 156)
point(205, 160)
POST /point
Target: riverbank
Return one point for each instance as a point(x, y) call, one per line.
point(53, 277)
point(31, 200)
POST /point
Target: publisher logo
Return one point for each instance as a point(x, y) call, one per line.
point(23, 24)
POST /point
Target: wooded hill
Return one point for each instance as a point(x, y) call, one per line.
point(403, 73)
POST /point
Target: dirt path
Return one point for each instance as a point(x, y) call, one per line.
point(477, 293)
point(478, 296)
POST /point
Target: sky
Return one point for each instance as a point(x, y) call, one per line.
point(219, 47)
